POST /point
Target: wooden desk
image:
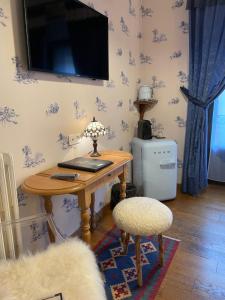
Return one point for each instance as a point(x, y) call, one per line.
point(84, 187)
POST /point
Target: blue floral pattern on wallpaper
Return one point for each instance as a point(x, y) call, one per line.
point(120, 103)
point(183, 77)
point(79, 112)
point(146, 11)
point(131, 59)
point(157, 84)
point(124, 26)
point(124, 78)
point(131, 106)
point(8, 115)
point(180, 121)
point(173, 101)
point(52, 109)
point(3, 17)
point(145, 59)
point(119, 52)
point(124, 126)
point(158, 37)
point(23, 76)
point(110, 133)
point(132, 10)
point(38, 230)
point(110, 23)
point(32, 161)
point(63, 140)
point(184, 27)
point(176, 54)
point(69, 204)
point(22, 197)
point(178, 3)
point(101, 106)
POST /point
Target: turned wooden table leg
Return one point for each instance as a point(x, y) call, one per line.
point(123, 186)
point(138, 260)
point(160, 239)
point(84, 203)
point(48, 209)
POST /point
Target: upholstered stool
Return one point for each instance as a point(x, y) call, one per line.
point(141, 216)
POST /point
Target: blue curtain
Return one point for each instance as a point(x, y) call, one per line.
point(206, 82)
point(216, 169)
point(203, 3)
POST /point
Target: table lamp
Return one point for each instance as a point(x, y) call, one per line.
point(94, 130)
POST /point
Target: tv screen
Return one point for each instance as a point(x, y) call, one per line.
point(66, 37)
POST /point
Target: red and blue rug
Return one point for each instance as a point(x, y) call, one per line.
point(119, 270)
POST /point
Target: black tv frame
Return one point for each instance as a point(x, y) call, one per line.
point(28, 55)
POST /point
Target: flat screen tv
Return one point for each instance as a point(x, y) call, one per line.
point(66, 37)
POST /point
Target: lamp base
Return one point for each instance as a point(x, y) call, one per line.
point(95, 154)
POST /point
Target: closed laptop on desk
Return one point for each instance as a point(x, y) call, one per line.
point(85, 164)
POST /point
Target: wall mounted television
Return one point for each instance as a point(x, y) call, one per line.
point(66, 37)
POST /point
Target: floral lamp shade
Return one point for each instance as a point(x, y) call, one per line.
point(94, 130)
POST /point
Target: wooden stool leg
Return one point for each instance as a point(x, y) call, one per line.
point(160, 239)
point(123, 236)
point(138, 260)
point(126, 244)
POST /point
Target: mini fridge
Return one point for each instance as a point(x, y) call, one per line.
point(155, 168)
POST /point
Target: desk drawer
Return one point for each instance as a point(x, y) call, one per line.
point(107, 178)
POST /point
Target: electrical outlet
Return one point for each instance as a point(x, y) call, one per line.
point(74, 139)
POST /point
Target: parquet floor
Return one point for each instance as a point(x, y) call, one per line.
point(197, 271)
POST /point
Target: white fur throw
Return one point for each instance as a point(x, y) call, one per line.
point(142, 216)
point(69, 268)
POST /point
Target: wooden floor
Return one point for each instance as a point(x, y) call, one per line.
point(198, 268)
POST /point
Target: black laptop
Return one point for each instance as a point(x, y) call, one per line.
point(85, 164)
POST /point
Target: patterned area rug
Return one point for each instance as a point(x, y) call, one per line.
point(119, 271)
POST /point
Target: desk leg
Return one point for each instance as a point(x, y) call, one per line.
point(48, 209)
point(85, 203)
point(123, 185)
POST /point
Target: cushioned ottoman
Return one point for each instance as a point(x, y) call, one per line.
point(142, 216)
point(69, 268)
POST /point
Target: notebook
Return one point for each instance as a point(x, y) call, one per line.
point(85, 164)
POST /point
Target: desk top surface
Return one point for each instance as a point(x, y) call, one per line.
point(42, 184)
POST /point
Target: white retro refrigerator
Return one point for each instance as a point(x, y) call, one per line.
point(155, 168)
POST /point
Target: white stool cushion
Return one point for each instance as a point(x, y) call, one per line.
point(142, 216)
point(69, 268)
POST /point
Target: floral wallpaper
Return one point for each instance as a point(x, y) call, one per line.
point(147, 44)
point(164, 66)
point(39, 111)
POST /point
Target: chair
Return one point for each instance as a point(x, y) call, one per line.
point(142, 216)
